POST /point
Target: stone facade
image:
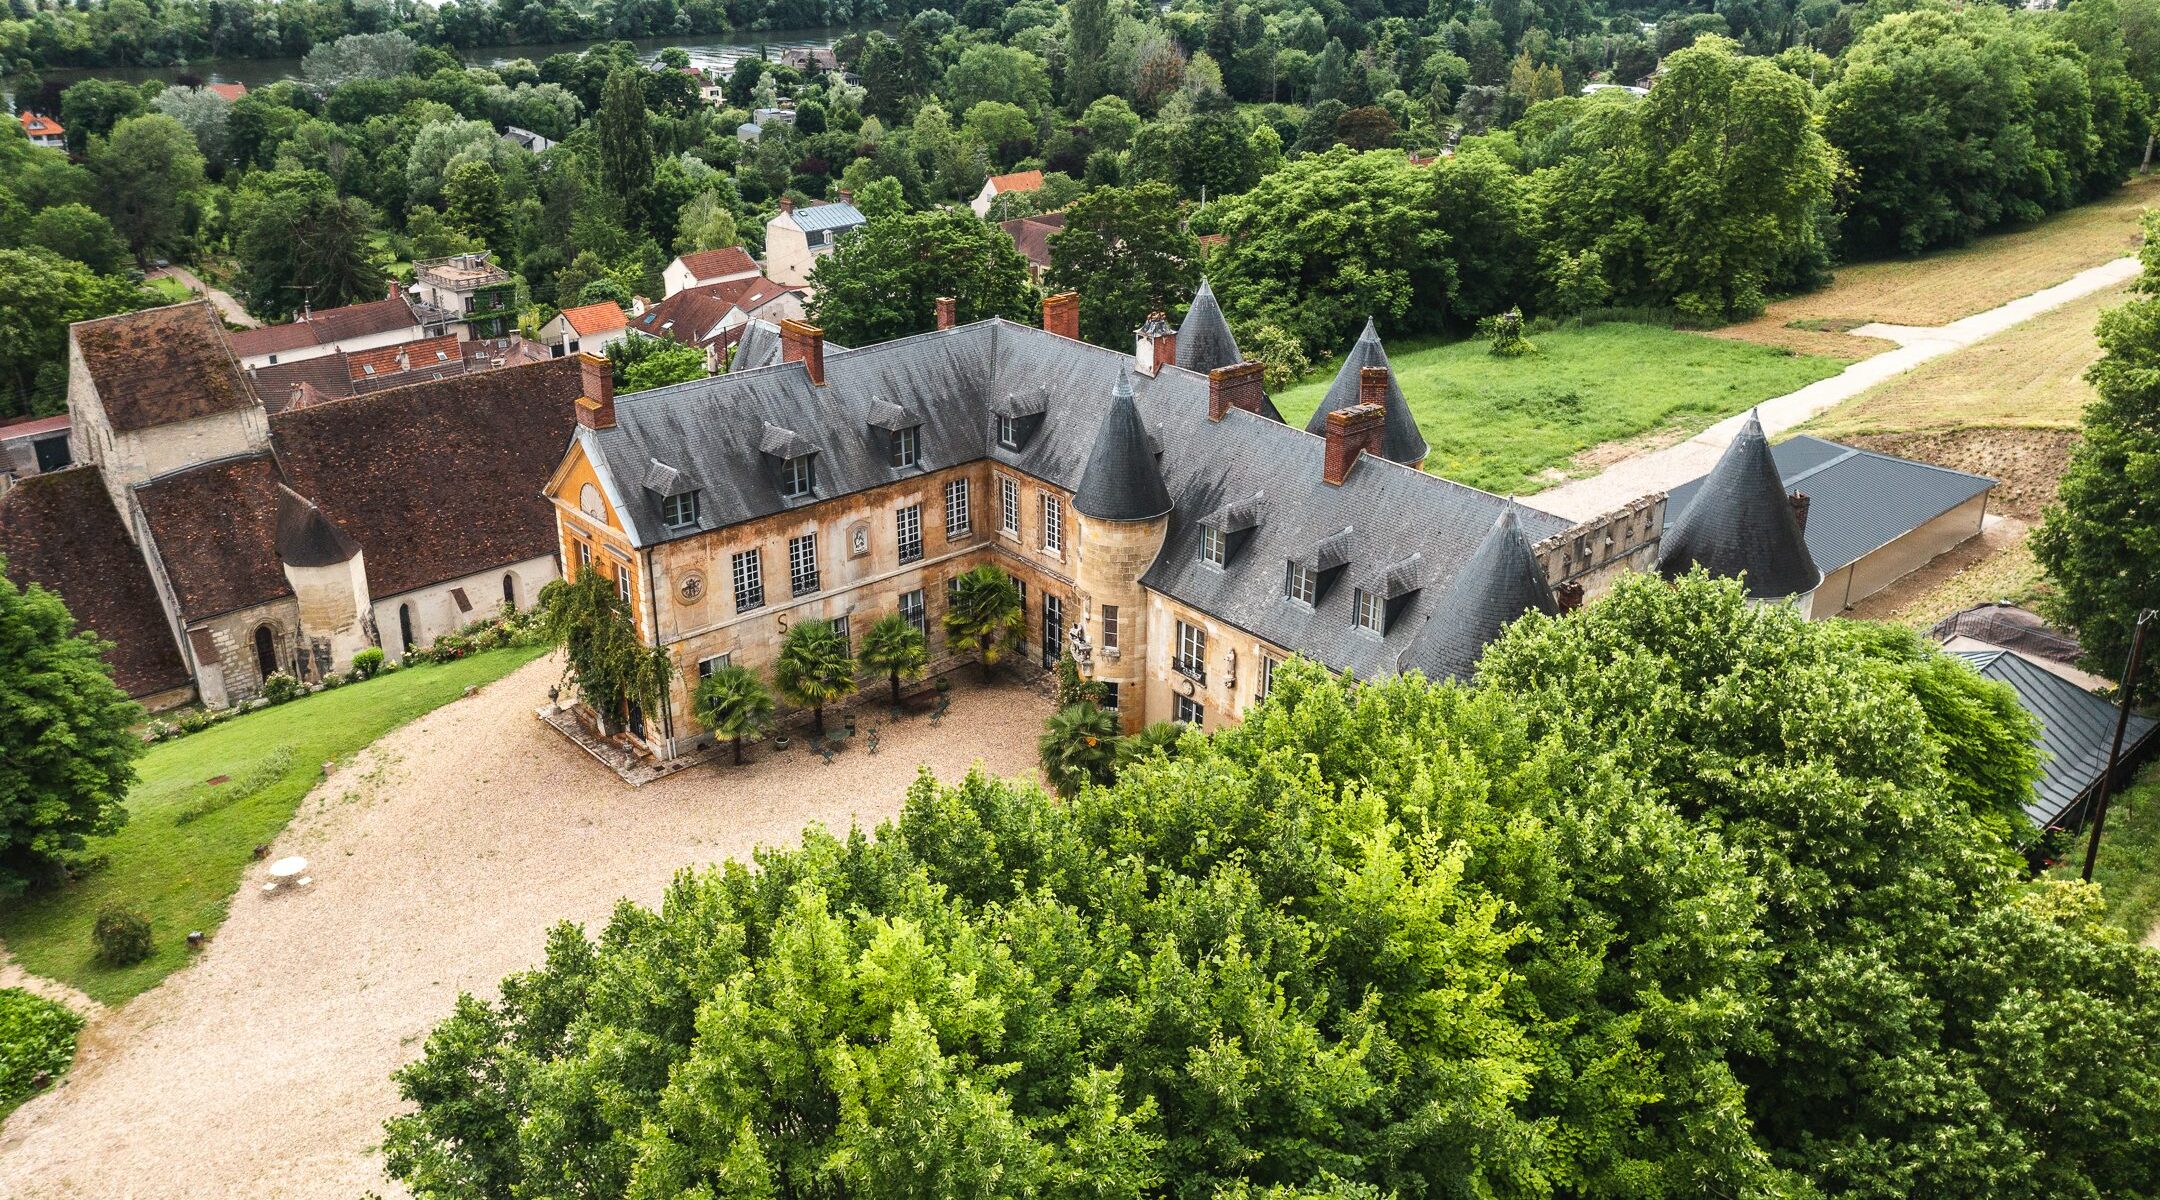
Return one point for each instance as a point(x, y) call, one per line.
point(126, 458)
point(1594, 553)
point(452, 604)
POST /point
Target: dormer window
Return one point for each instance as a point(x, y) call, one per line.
point(906, 447)
point(1019, 415)
point(1214, 547)
point(1303, 584)
point(680, 511)
point(1008, 432)
point(1368, 611)
point(798, 476)
point(1224, 532)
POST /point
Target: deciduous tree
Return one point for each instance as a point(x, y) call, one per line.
point(885, 279)
point(1127, 252)
point(149, 173)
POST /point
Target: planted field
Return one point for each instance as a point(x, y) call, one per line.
point(189, 840)
point(1518, 424)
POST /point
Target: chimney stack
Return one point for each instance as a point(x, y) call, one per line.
point(1350, 432)
point(596, 407)
point(1154, 344)
point(1372, 385)
point(1235, 386)
point(948, 312)
point(1799, 502)
point(1569, 596)
point(1061, 315)
point(787, 204)
point(847, 197)
point(802, 342)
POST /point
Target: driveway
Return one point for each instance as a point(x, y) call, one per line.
point(1663, 470)
point(227, 307)
point(440, 856)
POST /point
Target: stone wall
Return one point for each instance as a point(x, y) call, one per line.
point(129, 458)
point(1235, 665)
point(223, 650)
point(435, 610)
point(1116, 554)
point(1593, 553)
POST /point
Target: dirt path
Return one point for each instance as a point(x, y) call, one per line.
point(227, 307)
point(13, 976)
point(440, 858)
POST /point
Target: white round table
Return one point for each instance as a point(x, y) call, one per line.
point(285, 870)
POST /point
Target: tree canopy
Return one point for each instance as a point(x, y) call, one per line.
point(885, 279)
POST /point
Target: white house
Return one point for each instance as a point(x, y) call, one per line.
point(44, 131)
point(318, 334)
point(797, 237)
point(702, 267)
point(1000, 185)
point(589, 328)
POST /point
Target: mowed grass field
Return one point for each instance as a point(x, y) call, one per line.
point(1938, 288)
point(184, 849)
point(1517, 424)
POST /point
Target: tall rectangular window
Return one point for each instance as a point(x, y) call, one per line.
point(1053, 627)
point(1214, 548)
point(1268, 663)
point(706, 666)
point(1109, 694)
point(914, 612)
point(1008, 506)
point(1188, 711)
point(1053, 521)
point(1192, 651)
point(622, 580)
point(1109, 628)
point(584, 557)
point(840, 626)
point(909, 520)
point(802, 563)
point(906, 446)
point(958, 524)
point(799, 477)
point(1368, 610)
point(1301, 585)
point(1008, 433)
point(749, 581)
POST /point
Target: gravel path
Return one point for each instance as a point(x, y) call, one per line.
point(440, 858)
point(1662, 470)
point(227, 307)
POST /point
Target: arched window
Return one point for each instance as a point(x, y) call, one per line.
point(265, 650)
point(509, 589)
point(404, 624)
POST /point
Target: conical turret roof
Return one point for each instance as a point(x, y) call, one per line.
point(307, 538)
point(1500, 582)
point(1204, 340)
point(1403, 444)
point(1122, 481)
point(1740, 524)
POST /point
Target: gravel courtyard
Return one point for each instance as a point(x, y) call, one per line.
point(440, 858)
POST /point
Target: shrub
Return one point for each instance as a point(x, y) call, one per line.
point(194, 720)
point(122, 935)
point(450, 647)
point(278, 687)
point(36, 1035)
point(335, 679)
point(1278, 351)
point(1505, 331)
point(366, 663)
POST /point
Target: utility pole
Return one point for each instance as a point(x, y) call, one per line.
point(2128, 691)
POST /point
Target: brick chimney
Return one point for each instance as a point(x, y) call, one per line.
point(802, 342)
point(1352, 431)
point(596, 405)
point(1061, 315)
point(1569, 596)
point(948, 312)
point(1235, 386)
point(787, 204)
point(847, 197)
point(1154, 345)
point(1372, 385)
point(1799, 502)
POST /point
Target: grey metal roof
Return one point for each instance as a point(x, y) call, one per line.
point(1739, 523)
point(1204, 340)
point(1496, 587)
point(712, 431)
point(1403, 443)
point(814, 217)
point(2077, 729)
point(1122, 481)
point(1858, 500)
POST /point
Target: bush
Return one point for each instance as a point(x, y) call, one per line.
point(195, 720)
point(334, 679)
point(122, 935)
point(366, 663)
point(36, 1035)
point(1278, 351)
point(1505, 331)
point(278, 687)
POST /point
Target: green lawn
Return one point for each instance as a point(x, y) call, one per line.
point(170, 290)
point(186, 846)
point(1515, 425)
point(2128, 871)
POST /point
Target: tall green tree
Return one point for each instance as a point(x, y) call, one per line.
point(885, 279)
point(893, 647)
point(624, 134)
point(1128, 253)
point(2100, 541)
point(299, 241)
point(734, 704)
point(44, 294)
point(1079, 746)
point(1087, 50)
point(815, 667)
point(79, 232)
point(91, 107)
point(983, 615)
point(149, 174)
point(67, 746)
point(613, 669)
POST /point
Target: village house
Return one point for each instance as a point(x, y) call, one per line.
point(590, 328)
point(797, 237)
point(366, 326)
point(701, 267)
point(214, 541)
point(465, 294)
point(228, 92)
point(1031, 237)
point(1017, 183)
point(713, 316)
point(314, 380)
point(43, 131)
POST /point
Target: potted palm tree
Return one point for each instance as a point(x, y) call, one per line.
point(814, 669)
point(896, 648)
point(1079, 745)
point(734, 703)
point(984, 614)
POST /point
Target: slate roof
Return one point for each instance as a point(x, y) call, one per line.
point(1858, 500)
point(327, 326)
point(215, 526)
point(710, 431)
point(758, 346)
point(1204, 340)
point(162, 365)
point(1122, 481)
point(1740, 523)
point(59, 530)
point(1403, 442)
point(1496, 587)
point(2077, 729)
point(437, 480)
point(811, 218)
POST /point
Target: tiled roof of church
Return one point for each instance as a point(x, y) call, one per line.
point(215, 526)
point(1404, 444)
point(437, 480)
point(710, 431)
point(59, 530)
point(1204, 340)
point(307, 538)
point(1500, 583)
point(162, 365)
point(1741, 524)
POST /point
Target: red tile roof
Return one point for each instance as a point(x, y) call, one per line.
point(719, 264)
point(691, 315)
point(162, 365)
point(226, 91)
point(1031, 235)
point(596, 318)
point(421, 355)
point(325, 374)
point(437, 480)
point(328, 326)
point(34, 427)
point(39, 126)
point(215, 526)
point(1018, 181)
point(59, 530)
